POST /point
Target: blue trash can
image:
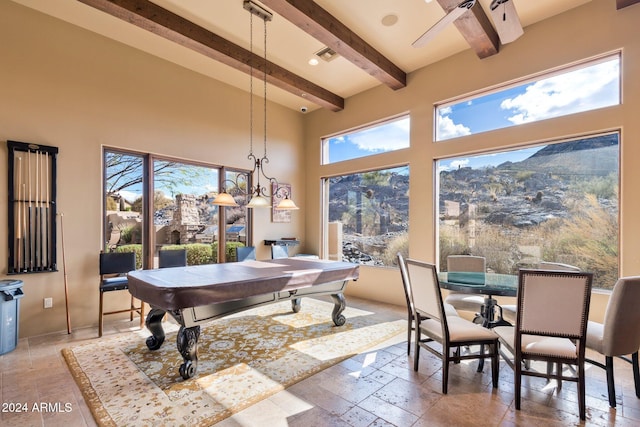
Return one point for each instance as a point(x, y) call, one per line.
point(10, 294)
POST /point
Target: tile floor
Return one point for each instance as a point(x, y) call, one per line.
point(378, 388)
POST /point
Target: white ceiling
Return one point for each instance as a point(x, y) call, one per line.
point(290, 47)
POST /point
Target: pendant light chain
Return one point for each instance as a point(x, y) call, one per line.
point(265, 88)
point(251, 85)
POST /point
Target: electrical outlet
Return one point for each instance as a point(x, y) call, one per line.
point(48, 302)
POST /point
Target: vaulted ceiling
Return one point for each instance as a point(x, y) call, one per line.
point(370, 40)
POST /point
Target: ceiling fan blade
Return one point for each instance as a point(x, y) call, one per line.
point(442, 23)
point(506, 20)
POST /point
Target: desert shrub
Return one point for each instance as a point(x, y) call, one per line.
point(230, 251)
point(111, 205)
point(522, 176)
point(499, 247)
point(451, 242)
point(588, 240)
point(199, 253)
point(605, 187)
point(399, 243)
point(126, 232)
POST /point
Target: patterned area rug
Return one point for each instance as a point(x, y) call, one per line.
point(242, 359)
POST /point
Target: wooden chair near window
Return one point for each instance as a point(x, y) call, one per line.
point(114, 267)
point(460, 300)
point(406, 285)
point(245, 253)
point(172, 258)
point(448, 332)
point(551, 327)
point(619, 335)
point(509, 310)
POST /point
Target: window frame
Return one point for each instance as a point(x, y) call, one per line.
point(325, 141)
point(148, 188)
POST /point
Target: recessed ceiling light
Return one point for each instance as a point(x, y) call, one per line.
point(389, 20)
point(313, 61)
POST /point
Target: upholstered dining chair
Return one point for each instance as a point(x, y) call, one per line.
point(279, 251)
point(509, 310)
point(245, 253)
point(172, 258)
point(447, 332)
point(114, 267)
point(406, 285)
point(463, 301)
point(551, 326)
point(619, 335)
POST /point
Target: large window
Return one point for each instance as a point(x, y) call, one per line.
point(595, 84)
point(181, 213)
point(368, 216)
point(557, 202)
point(379, 138)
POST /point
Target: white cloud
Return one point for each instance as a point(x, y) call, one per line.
point(580, 90)
point(448, 129)
point(389, 137)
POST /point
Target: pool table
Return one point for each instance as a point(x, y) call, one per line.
point(194, 295)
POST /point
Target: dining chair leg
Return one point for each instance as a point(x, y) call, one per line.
point(100, 318)
point(495, 364)
point(517, 374)
point(611, 386)
point(409, 330)
point(636, 373)
point(445, 369)
point(416, 351)
point(581, 392)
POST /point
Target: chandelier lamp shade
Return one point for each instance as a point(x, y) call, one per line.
point(224, 199)
point(260, 195)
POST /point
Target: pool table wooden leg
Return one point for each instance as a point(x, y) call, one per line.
point(154, 325)
point(340, 304)
point(188, 348)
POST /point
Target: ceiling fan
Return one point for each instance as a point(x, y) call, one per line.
point(503, 12)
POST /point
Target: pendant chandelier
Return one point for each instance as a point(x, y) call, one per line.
point(259, 194)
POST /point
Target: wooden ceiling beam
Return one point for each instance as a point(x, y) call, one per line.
point(324, 27)
point(175, 28)
point(620, 4)
point(476, 29)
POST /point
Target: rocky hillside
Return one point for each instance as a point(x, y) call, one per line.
point(535, 189)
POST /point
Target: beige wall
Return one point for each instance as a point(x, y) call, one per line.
point(67, 87)
point(588, 31)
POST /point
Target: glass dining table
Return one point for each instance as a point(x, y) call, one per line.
point(487, 284)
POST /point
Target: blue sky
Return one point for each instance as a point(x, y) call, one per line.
point(582, 89)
